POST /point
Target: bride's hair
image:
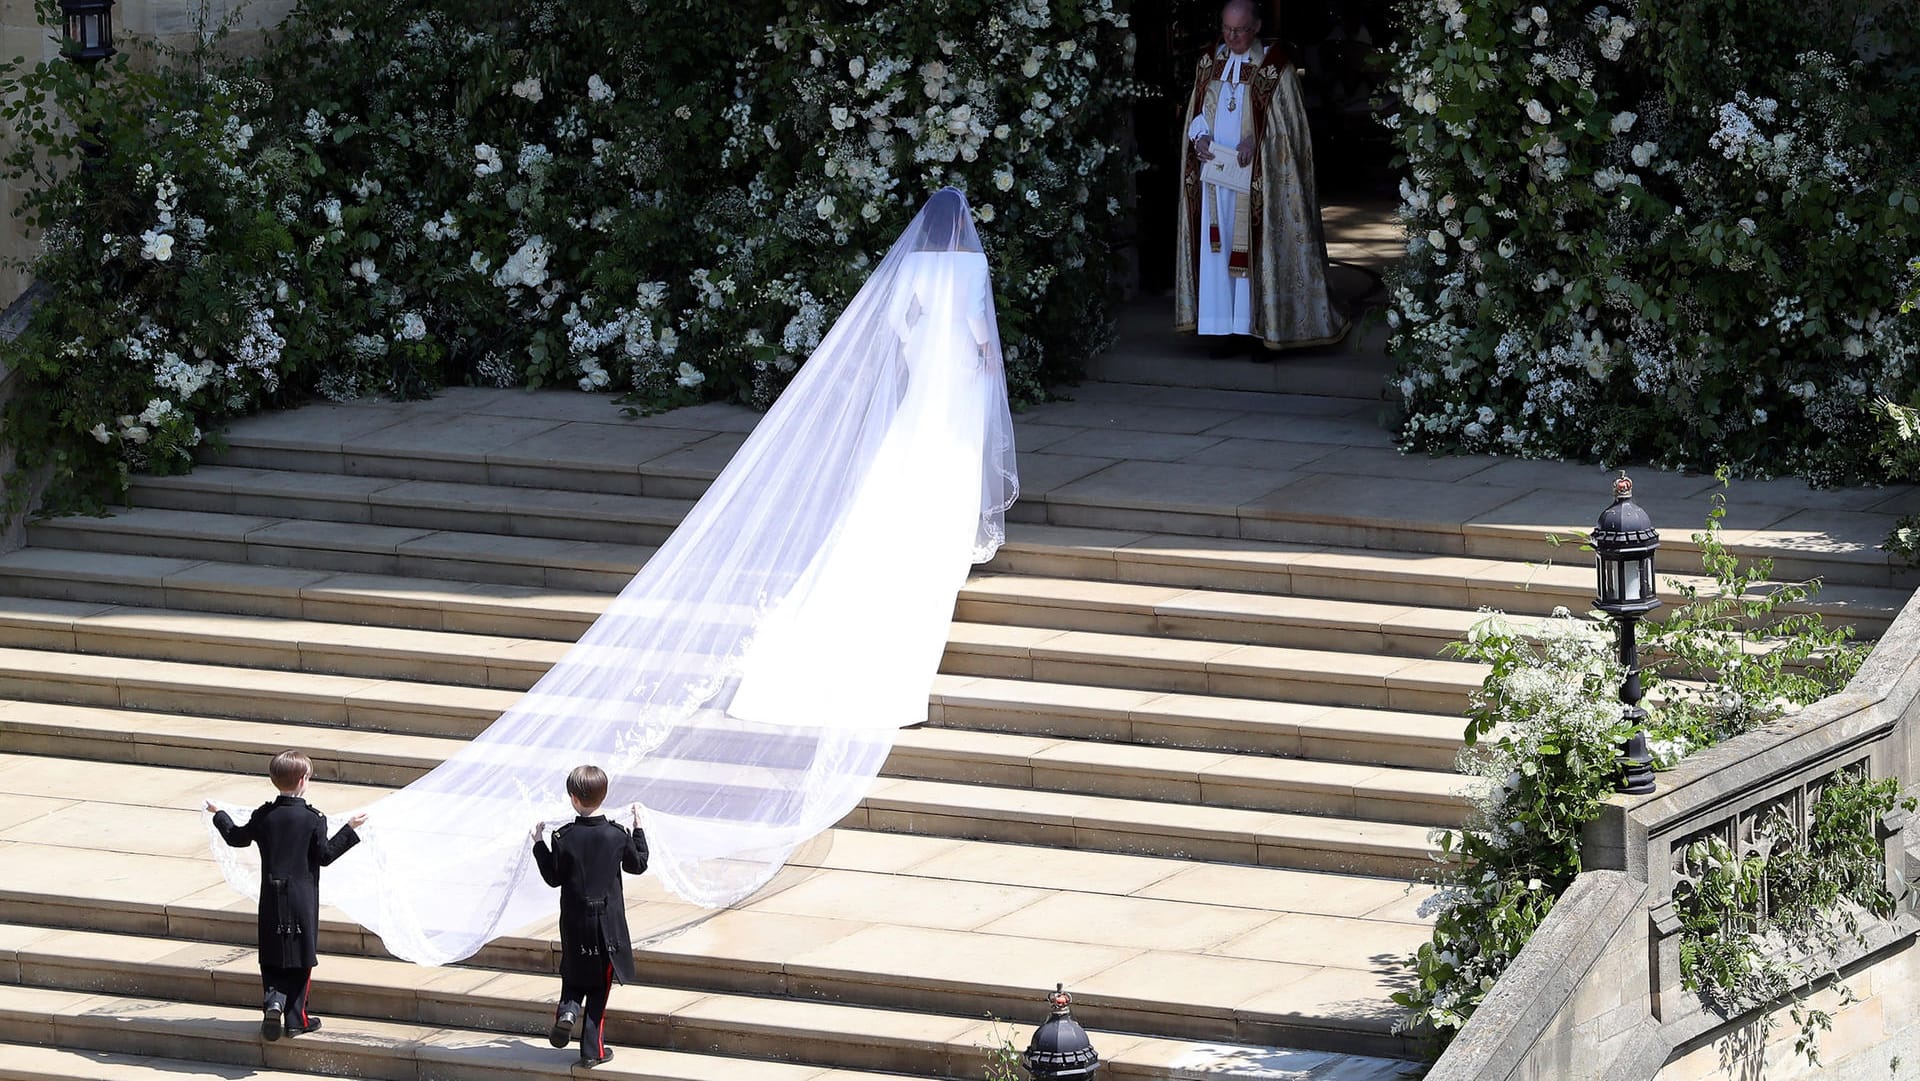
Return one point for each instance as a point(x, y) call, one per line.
point(946, 224)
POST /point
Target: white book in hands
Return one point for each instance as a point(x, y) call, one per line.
point(1225, 170)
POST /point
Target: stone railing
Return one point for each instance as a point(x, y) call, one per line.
point(1597, 991)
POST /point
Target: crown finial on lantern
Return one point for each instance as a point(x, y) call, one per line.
point(1623, 486)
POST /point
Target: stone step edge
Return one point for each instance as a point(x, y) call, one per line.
point(978, 703)
point(1046, 505)
point(1329, 572)
point(39, 1062)
point(1387, 794)
point(1088, 821)
point(846, 1028)
point(346, 1046)
point(706, 975)
point(416, 603)
point(1122, 661)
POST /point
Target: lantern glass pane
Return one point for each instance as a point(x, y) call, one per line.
point(1631, 589)
point(1650, 586)
point(93, 26)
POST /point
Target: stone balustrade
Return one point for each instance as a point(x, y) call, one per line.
point(1598, 993)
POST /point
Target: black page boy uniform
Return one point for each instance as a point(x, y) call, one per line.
point(294, 845)
point(586, 860)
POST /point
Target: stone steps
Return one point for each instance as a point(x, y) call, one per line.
point(1484, 519)
point(346, 1046)
point(1024, 600)
point(1095, 797)
point(1191, 733)
point(1088, 658)
point(518, 1007)
point(1429, 595)
point(849, 940)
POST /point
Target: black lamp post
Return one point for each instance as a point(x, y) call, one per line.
point(1624, 541)
point(88, 38)
point(1060, 1048)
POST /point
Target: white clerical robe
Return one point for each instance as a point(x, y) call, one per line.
point(1224, 300)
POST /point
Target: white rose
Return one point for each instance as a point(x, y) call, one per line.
point(1003, 179)
point(824, 207)
point(1507, 247)
point(1538, 113)
point(690, 376)
point(1437, 238)
point(136, 434)
point(1030, 67)
point(597, 89)
point(1643, 154)
point(1622, 122)
point(984, 213)
point(529, 89)
point(156, 246)
point(479, 263)
point(856, 67)
point(99, 431)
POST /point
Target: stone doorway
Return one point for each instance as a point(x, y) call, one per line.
point(1340, 47)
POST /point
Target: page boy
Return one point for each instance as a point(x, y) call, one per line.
point(294, 845)
point(585, 861)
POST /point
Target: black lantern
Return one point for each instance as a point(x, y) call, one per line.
point(1624, 542)
point(1060, 1048)
point(89, 30)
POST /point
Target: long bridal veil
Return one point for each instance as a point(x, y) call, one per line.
point(744, 689)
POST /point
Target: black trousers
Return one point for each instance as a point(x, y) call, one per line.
point(591, 995)
point(293, 983)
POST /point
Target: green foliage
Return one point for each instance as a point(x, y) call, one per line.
point(1542, 733)
point(1003, 1059)
point(1673, 230)
point(1899, 450)
point(1733, 655)
point(661, 199)
point(1543, 736)
point(1770, 919)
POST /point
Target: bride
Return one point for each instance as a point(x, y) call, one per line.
point(744, 689)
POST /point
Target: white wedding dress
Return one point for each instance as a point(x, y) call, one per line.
point(744, 689)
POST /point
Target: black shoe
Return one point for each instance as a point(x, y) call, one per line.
point(606, 1055)
point(567, 1016)
point(1224, 346)
point(312, 1025)
point(270, 1015)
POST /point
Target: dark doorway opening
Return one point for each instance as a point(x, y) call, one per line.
point(1340, 49)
